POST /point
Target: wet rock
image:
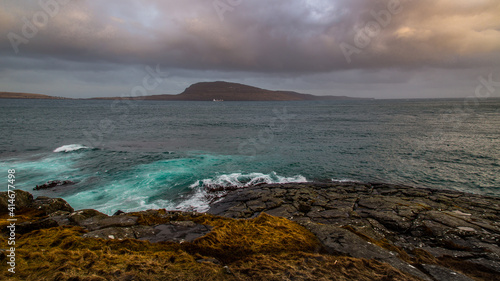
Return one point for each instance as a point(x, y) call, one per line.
point(23, 200)
point(51, 205)
point(52, 184)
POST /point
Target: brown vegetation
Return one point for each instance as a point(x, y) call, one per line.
point(263, 248)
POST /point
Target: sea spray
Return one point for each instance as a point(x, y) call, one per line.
point(209, 190)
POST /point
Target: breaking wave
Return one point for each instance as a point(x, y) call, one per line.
point(209, 190)
point(70, 148)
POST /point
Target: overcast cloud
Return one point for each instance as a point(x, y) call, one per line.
point(360, 48)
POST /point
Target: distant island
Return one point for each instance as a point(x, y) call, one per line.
point(10, 95)
point(208, 91)
point(226, 91)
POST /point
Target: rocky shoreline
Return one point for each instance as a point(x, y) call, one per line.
point(431, 234)
point(393, 232)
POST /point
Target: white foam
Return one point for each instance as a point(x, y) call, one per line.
point(240, 180)
point(344, 180)
point(69, 148)
point(209, 190)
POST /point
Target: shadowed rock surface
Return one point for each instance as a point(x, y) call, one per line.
point(404, 226)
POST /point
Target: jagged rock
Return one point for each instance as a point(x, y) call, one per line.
point(441, 223)
point(61, 217)
point(339, 241)
point(51, 205)
point(81, 215)
point(99, 222)
point(393, 224)
point(27, 227)
point(444, 274)
point(23, 200)
point(488, 263)
point(52, 184)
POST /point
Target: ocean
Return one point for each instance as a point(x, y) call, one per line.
point(138, 155)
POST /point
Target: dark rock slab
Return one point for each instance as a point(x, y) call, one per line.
point(27, 227)
point(133, 232)
point(82, 215)
point(98, 222)
point(339, 241)
point(184, 231)
point(488, 263)
point(440, 222)
point(61, 217)
point(52, 184)
point(444, 274)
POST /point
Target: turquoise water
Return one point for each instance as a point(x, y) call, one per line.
point(137, 155)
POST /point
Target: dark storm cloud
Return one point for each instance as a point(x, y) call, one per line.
point(285, 39)
point(275, 36)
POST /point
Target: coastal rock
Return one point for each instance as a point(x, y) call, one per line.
point(186, 231)
point(99, 222)
point(134, 232)
point(403, 226)
point(444, 274)
point(27, 227)
point(428, 234)
point(51, 205)
point(82, 215)
point(339, 241)
point(52, 184)
point(23, 200)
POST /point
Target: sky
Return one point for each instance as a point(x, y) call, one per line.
point(358, 48)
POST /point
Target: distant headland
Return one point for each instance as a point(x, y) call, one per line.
point(10, 95)
point(210, 91)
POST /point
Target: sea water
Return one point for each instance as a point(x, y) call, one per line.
point(138, 155)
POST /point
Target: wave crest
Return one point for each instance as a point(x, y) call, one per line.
point(70, 148)
point(239, 180)
point(210, 190)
